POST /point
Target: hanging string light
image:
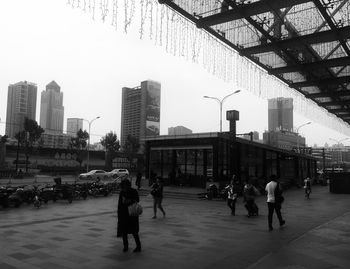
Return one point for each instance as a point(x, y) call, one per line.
point(180, 37)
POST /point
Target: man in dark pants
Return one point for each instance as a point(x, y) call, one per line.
point(274, 200)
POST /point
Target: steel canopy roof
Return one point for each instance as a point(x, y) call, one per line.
point(305, 43)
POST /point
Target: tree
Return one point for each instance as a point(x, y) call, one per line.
point(79, 143)
point(3, 140)
point(29, 136)
point(131, 147)
point(111, 143)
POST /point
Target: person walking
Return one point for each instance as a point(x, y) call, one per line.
point(307, 187)
point(128, 224)
point(138, 180)
point(249, 193)
point(232, 193)
point(157, 194)
point(274, 200)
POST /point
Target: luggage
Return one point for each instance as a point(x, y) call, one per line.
point(252, 208)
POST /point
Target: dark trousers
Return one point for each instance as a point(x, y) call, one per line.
point(136, 237)
point(231, 203)
point(274, 207)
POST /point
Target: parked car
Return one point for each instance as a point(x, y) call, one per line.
point(115, 173)
point(94, 175)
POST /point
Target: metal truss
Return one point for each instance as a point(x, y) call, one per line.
point(310, 39)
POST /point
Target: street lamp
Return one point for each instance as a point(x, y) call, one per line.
point(88, 149)
point(297, 131)
point(221, 102)
point(340, 157)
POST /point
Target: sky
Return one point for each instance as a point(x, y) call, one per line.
point(42, 40)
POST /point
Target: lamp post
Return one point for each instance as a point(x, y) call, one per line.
point(88, 148)
point(221, 102)
point(298, 133)
point(339, 153)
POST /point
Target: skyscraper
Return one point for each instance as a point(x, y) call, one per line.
point(280, 114)
point(74, 125)
point(52, 110)
point(140, 115)
point(21, 104)
point(179, 130)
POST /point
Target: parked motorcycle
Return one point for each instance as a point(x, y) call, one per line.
point(63, 192)
point(5, 192)
point(17, 197)
point(98, 188)
point(80, 191)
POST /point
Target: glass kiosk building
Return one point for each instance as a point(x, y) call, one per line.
point(195, 159)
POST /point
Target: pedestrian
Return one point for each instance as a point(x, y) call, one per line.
point(232, 193)
point(157, 194)
point(128, 224)
point(274, 200)
point(307, 187)
point(138, 180)
point(249, 193)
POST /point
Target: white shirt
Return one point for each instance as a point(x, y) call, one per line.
point(270, 188)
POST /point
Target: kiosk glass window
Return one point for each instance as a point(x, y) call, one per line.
point(181, 161)
point(191, 162)
point(209, 163)
point(200, 162)
point(156, 162)
point(167, 163)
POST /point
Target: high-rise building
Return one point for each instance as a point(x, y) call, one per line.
point(179, 130)
point(74, 125)
point(280, 114)
point(52, 110)
point(21, 104)
point(140, 116)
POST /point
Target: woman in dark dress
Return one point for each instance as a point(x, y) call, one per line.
point(128, 224)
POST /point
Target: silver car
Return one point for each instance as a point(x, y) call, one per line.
point(94, 175)
point(119, 172)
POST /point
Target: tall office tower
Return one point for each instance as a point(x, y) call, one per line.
point(52, 110)
point(74, 125)
point(280, 114)
point(21, 104)
point(179, 130)
point(140, 111)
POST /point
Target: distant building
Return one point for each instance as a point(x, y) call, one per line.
point(97, 146)
point(253, 136)
point(179, 130)
point(52, 110)
point(74, 125)
point(21, 104)
point(55, 140)
point(283, 139)
point(280, 114)
point(140, 115)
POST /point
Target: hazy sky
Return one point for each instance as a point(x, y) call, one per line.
point(43, 40)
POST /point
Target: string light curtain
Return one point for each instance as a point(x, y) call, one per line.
point(180, 37)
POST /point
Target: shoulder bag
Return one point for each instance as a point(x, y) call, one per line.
point(135, 209)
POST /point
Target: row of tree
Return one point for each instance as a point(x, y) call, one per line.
point(31, 137)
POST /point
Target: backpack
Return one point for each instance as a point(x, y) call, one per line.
point(278, 194)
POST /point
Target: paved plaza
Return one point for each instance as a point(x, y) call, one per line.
point(194, 234)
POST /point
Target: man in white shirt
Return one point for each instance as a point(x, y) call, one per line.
point(271, 201)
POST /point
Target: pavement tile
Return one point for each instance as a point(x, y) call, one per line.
point(7, 266)
point(32, 246)
point(195, 234)
point(19, 256)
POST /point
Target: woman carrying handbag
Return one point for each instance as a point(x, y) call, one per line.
point(128, 224)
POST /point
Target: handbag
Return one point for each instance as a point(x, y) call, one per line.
point(135, 209)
